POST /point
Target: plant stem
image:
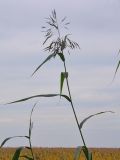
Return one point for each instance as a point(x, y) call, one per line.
point(30, 130)
point(31, 148)
point(68, 87)
point(59, 35)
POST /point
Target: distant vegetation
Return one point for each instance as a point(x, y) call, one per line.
point(62, 154)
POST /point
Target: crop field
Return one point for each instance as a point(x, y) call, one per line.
point(62, 153)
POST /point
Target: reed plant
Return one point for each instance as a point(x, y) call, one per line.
point(57, 45)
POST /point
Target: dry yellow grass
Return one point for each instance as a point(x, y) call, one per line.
point(62, 154)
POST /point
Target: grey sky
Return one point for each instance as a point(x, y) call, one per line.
point(95, 26)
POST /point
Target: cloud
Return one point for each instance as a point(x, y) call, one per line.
point(6, 120)
point(95, 26)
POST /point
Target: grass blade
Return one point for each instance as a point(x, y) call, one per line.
point(16, 155)
point(63, 76)
point(65, 96)
point(81, 124)
point(31, 124)
point(48, 58)
point(26, 157)
point(41, 95)
point(61, 56)
point(118, 65)
point(2, 144)
point(61, 82)
point(86, 152)
point(83, 149)
point(77, 153)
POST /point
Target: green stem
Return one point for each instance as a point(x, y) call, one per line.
point(70, 92)
point(68, 87)
point(31, 148)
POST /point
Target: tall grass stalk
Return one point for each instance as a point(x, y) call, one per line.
point(61, 47)
point(56, 47)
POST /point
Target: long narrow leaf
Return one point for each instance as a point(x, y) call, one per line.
point(63, 76)
point(61, 82)
point(48, 58)
point(84, 149)
point(2, 144)
point(26, 157)
point(118, 65)
point(81, 124)
point(65, 96)
point(86, 152)
point(16, 155)
point(31, 124)
point(27, 147)
point(42, 95)
point(77, 153)
point(61, 55)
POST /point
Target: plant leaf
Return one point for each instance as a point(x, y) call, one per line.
point(62, 56)
point(77, 153)
point(31, 123)
point(17, 153)
point(42, 95)
point(81, 124)
point(118, 65)
point(27, 147)
point(48, 58)
point(30, 128)
point(83, 149)
point(2, 144)
point(65, 96)
point(86, 152)
point(63, 76)
point(24, 156)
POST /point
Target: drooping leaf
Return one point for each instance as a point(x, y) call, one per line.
point(16, 155)
point(65, 96)
point(72, 44)
point(27, 147)
point(2, 144)
point(42, 95)
point(81, 124)
point(63, 76)
point(48, 58)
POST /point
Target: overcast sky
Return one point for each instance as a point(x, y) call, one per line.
point(95, 25)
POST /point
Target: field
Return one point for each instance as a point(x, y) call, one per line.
point(62, 153)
